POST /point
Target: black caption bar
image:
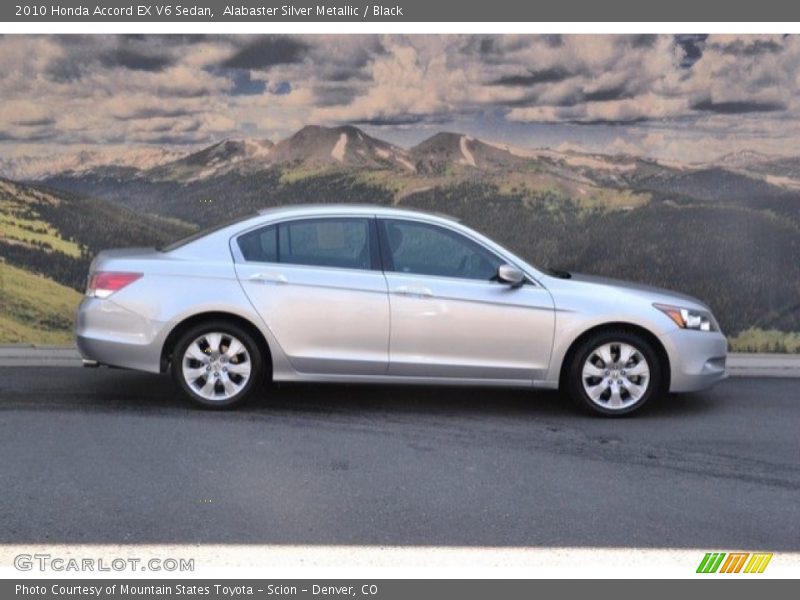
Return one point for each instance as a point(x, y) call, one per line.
point(400, 11)
point(340, 589)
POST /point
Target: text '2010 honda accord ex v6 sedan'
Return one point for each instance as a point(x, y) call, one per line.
point(384, 295)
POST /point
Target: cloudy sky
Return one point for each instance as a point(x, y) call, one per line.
point(672, 97)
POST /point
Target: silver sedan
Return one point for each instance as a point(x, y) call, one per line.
point(383, 295)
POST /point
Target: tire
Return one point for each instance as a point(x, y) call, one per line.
point(218, 377)
point(598, 381)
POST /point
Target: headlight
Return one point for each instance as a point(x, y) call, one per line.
point(689, 318)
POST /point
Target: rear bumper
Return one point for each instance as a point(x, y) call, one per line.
point(697, 359)
point(107, 334)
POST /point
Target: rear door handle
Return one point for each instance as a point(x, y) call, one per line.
point(414, 290)
point(269, 278)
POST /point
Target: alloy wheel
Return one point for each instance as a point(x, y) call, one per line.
point(216, 366)
point(615, 376)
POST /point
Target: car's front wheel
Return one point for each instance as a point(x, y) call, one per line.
point(614, 373)
point(217, 364)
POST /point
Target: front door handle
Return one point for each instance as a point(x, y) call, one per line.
point(414, 290)
point(269, 278)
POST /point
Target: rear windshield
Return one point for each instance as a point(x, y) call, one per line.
point(201, 233)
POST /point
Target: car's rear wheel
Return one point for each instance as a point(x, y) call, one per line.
point(217, 364)
point(615, 373)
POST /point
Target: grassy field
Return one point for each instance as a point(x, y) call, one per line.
point(35, 310)
point(760, 340)
point(20, 223)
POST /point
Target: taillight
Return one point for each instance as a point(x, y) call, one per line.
point(104, 283)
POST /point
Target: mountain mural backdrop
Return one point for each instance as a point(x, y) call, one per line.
point(727, 231)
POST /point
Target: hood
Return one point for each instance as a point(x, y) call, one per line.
point(657, 294)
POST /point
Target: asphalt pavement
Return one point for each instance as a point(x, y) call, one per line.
point(110, 456)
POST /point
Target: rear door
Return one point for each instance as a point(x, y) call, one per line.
point(451, 317)
point(317, 284)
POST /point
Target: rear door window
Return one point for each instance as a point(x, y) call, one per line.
point(343, 243)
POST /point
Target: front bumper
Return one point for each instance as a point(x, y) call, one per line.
point(109, 334)
point(696, 358)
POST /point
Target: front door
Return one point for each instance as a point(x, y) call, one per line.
point(450, 317)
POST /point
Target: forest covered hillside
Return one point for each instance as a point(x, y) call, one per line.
point(47, 240)
point(728, 233)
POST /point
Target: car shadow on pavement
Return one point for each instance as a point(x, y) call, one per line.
point(116, 389)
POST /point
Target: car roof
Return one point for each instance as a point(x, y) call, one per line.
point(200, 242)
point(207, 245)
point(224, 231)
point(325, 209)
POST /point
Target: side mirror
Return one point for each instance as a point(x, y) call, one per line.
point(510, 275)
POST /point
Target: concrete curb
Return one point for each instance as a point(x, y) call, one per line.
point(739, 364)
point(18, 355)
